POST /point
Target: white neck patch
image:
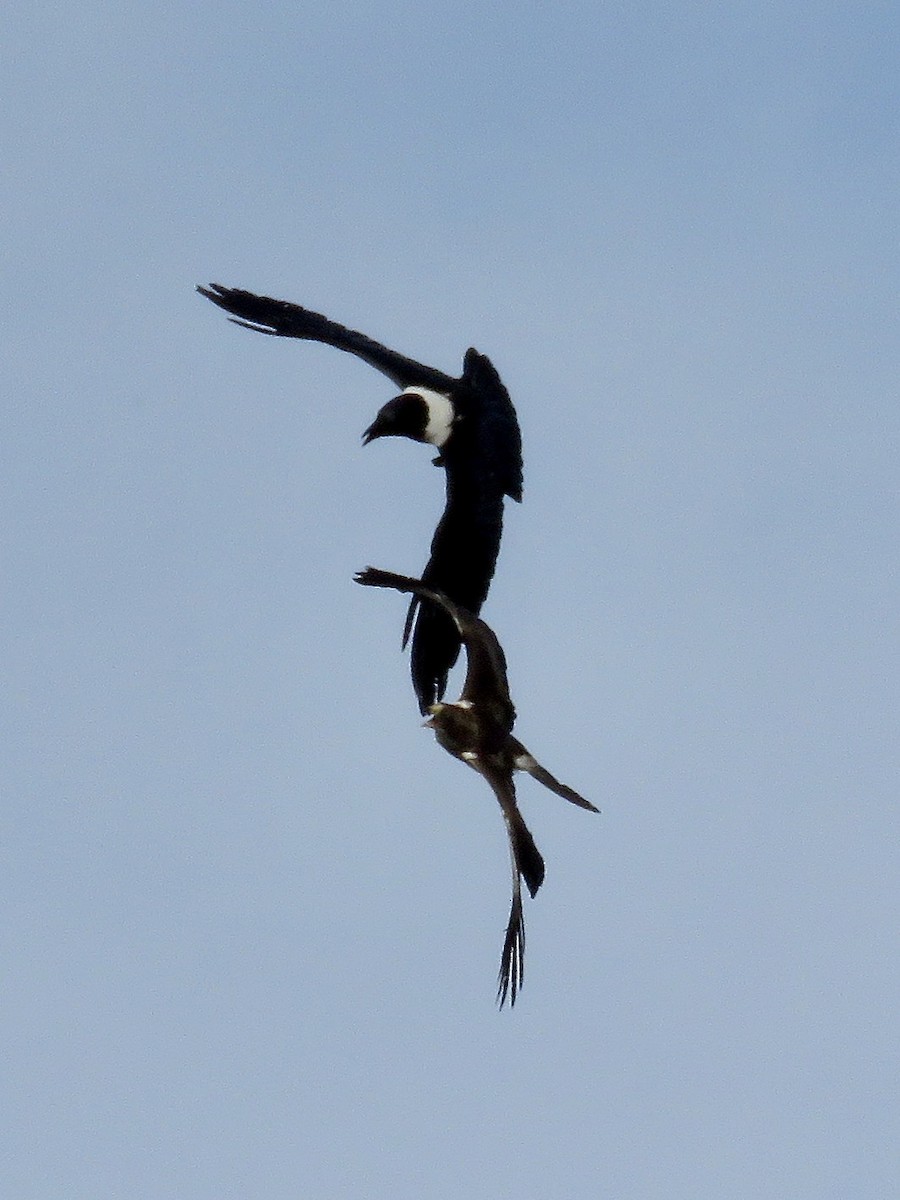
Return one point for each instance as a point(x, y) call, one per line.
point(441, 414)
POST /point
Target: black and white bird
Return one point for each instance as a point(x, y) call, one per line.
point(477, 729)
point(472, 424)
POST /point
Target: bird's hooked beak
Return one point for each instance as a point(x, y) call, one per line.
point(404, 416)
point(433, 709)
point(372, 433)
point(388, 421)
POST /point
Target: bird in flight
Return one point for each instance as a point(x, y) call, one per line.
point(472, 424)
point(477, 728)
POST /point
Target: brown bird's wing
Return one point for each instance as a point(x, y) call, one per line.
point(280, 318)
point(486, 684)
point(524, 760)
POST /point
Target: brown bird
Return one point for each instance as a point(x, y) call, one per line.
point(477, 729)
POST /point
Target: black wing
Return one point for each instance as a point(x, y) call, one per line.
point(283, 319)
point(464, 552)
point(486, 682)
point(483, 461)
point(499, 440)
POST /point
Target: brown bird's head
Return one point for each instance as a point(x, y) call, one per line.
point(457, 728)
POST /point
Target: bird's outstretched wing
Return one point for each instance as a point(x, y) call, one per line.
point(525, 761)
point(486, 683)
point(280, 318)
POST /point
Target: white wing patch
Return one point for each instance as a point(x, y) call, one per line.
point(441, 414)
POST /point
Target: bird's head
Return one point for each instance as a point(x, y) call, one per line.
point(417, 413)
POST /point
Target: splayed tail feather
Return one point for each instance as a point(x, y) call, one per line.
point(512, 960)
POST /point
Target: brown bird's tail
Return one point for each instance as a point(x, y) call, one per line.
point(527, 864)
point(512, 960)
point(526, 857)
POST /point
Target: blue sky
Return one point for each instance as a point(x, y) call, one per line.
point(251, 913)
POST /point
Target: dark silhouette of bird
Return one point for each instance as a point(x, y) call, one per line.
point(477, 729)
point(470, 421)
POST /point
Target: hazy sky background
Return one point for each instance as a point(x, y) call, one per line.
point(251, 913)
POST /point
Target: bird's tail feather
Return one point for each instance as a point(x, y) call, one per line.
point(512, 960)
point(527, 864)
point(527, 860)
